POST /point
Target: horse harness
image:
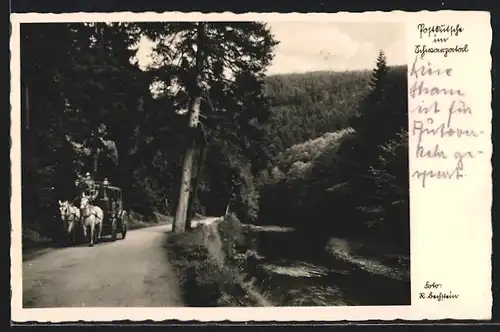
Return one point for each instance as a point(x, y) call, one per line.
point(92, 213)
point(71, 214)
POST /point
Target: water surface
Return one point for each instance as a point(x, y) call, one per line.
point(290, 272)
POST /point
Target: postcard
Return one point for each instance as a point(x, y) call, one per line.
point(251, 167)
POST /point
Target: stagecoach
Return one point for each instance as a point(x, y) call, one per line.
point(109, 199)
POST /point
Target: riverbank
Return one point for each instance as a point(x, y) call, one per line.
point(375, 259)
point(207, 277)
point(348, 272)
point(233, 264)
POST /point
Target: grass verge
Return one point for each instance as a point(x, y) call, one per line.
point(137, 221)
point(202, 259)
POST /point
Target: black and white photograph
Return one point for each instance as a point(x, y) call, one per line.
point(214, 164)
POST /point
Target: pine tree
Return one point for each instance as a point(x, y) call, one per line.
point(379, 73)
point(379, 182)
point(200, 60)
point(368, 121)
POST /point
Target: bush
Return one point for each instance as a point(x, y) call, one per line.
point(199, 275)
point(203, 284)
point(207, 279)
point(231, 233)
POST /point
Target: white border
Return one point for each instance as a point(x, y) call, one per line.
point(416, 311)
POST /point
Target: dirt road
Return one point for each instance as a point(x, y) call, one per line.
point(133, 272)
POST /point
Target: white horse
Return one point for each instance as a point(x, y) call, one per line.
point(92, 217)
point(70, 215)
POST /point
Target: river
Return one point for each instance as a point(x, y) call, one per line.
point(283, 268)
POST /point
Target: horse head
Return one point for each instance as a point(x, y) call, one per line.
point(64, 209)
point(84, 202)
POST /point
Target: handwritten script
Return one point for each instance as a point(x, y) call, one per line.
point(440, 114)
point(437, 34)
point(434, 291)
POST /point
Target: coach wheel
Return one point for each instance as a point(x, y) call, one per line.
point(124, 224)
point(113, 230)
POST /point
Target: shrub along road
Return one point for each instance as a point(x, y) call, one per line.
point(133, 272)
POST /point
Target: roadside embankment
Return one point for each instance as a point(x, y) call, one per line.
point(207, 274)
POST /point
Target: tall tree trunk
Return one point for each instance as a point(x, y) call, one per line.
point(200, 160)
point(183, 202)
point(194, 114)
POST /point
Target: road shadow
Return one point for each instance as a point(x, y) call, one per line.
point(107, 239)
point(103, 240)
point(31, 249)
point(28, 245)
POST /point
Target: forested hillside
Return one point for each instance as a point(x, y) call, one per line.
point(306, 106)
point(350, 176)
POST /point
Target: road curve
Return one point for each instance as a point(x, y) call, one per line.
point(133, 272)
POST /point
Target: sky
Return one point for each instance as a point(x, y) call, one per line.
point(317, 46)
